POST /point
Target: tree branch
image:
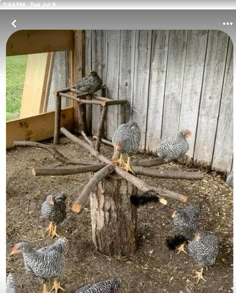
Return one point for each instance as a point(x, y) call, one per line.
point(168, 174)
point(54, 152)
point(134, 180)
point(148, 163)
point(89, 187)
point(65, 171)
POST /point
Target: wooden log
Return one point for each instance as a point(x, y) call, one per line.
point(148, 163)
point(140, 184)
point(55, 153)
point(65, 171)
point(114, 218)
point(86, 138)
point(101, 128)
point(105, 141)
point(57, 120)
point(168, 174)
point(108, 169)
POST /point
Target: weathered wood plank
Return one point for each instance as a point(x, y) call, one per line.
point(192, 84)
point(156, 88)
point(174, 82)
point(141, 81)
point(112, 79)
point(36, 128)
point(223, 152)
point(127, 48)
point(99, 65)
point(210, 98)
point(58, 80)
point(39, 41)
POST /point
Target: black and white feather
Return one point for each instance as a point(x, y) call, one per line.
point(46, 262)
point(204, 249)
point(108, 286)
point(173, 148)
point(11, 285)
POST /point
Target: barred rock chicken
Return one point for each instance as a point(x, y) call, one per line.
point(108, 286)
point(229, 180)
point(203, 249)
point(173, 148)
point(54, 210)
point(126, 140)
point(11, 286)
point(90, 84)
point(45, 263)
point(186, 221)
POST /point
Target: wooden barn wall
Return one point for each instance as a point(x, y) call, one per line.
point(172, 80)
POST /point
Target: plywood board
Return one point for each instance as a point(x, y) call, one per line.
point(36, 128)
point(39, 41)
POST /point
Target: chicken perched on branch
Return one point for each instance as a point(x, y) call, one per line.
point(45, 263)
point(108, 286)
point(90, 84)
point(204, 250)
point(173, 148)
point(186, 221)
point(11, 285)
point(54, 210)
point(126, 140)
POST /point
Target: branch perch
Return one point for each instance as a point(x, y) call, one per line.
point(140, 184)
point(54, 152)
point(65, 171)
point(89, 187)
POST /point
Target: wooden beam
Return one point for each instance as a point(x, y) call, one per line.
point(39, 41)
point(36, 128)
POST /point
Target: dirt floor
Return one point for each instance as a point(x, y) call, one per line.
point(153, 268)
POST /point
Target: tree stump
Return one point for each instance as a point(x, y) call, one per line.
point(114, 218)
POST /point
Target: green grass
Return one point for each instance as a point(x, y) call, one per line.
point(15, 74)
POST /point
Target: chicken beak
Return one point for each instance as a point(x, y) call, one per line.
point(51, 201)
point(174, 214)
point(14, 250)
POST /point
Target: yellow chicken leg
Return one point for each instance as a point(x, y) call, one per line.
point(50, 228)
point(56, 286)
point(54, 232)
point(199, 276)
point(127, 166)
point(119, 161)
point(45, 289)
point(181, 249)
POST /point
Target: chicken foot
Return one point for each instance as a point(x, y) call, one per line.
point(56, 286)
point(199, 275)
point(181, 249)
point(52, 230)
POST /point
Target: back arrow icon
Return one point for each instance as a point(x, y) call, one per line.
point(13, 23)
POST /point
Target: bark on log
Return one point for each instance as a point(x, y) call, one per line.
point(148, 163)
point(168, 174)
point(140, 184)
point(89, 187)
point(65, 171)
point(114, 218)
point(101, 128)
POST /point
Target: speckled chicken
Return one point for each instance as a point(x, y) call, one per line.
point(173, 148)
point(229, 180)
point(90, 83)
point(54, 210)
point(11, 285)
point(186, 221)
point(126, 140)
point(204, 250)
point(45, 263)
point(108, 286)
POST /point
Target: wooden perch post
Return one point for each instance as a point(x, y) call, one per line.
point(114, 218)
point(57, 119)
point(101, 128)
point(140, 184)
